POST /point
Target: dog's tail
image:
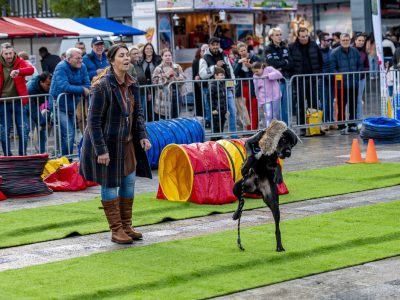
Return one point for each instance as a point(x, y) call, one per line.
point(238, 213)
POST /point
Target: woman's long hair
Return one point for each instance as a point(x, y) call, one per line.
point(144, 54)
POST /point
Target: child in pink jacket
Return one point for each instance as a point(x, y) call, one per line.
point(267, 91)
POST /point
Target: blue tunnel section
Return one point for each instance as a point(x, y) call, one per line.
point(175, 131)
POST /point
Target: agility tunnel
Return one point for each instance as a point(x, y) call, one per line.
point(198, 172)
point(175, 131)
point(381, 130)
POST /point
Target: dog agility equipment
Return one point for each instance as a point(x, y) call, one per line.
point(21, 175)
point(199, 173)
point(355, 154)
point(174, 131)
point(67, 178)
point(382, 130)
point(371, 157)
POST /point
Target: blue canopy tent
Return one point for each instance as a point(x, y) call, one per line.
point(109, 25)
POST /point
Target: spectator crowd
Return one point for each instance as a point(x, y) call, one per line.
point(235, 84)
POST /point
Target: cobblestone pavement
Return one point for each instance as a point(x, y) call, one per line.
point(375, 280)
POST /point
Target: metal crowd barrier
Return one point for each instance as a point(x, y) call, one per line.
point(305, 101)
point(334, 99)
point(26, 125)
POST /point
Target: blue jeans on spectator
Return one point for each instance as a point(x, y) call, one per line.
point(326, 99)
point(373, 64)
point(206, 102)
point(361, 88)
point(67, 127)
point(38, 122)
point(284, 104)
point(7, 113)
point(126, 190)
point(232, 109)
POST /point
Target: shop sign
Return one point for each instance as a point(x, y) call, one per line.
point(272, 5)
point(219, 4)
point(236, 19)
point(390, 7)
point(173, 5)
point(143, 10)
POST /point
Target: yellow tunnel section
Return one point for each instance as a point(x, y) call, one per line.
point(175, 173)
point(236, 156)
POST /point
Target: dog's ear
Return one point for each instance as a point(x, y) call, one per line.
point(291, 137)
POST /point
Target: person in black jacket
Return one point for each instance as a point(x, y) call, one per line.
point(277, 56)
point(347, 60)
point(198, 99)
point(49, 61)
point(137, 72)
point(150, 60)
point(218, 101)
point(305, 59)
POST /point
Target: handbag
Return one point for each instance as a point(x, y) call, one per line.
point(314, 116)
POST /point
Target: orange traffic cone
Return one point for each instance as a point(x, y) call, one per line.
point(355, 154)
point(371, 156)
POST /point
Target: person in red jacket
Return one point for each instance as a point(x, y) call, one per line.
point(13, 70)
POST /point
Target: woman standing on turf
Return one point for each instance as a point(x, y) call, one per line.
point(114, 143)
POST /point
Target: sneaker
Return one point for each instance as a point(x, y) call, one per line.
point(344, 131)
point(353, 129)
point(333, 127)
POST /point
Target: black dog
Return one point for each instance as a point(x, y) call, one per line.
point(262, 172)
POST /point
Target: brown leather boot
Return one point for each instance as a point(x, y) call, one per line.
point(111, 210)
point(125, 206)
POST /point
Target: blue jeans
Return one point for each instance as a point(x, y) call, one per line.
point(126, 190)
point(206, 102)
point(232, 109)
point(67, 127)
point(361, 88)
point(271, 111)
point(373, 64)
point(38, 122)
point(326, 96)
point(284, 104)
point(7, 111)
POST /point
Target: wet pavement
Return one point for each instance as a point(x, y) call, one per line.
point(376, 280)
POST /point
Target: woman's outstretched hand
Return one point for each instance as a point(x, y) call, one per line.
point(145, 143)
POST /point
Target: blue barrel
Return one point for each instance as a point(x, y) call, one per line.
point(174, 131)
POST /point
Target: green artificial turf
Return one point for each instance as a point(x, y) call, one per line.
point(54, 222)
point(212, 265)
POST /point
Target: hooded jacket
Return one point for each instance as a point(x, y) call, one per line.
point(267, 89)
point(20, 84)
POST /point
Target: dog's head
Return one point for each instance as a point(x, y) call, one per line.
point(287, 141)
point(278, 138)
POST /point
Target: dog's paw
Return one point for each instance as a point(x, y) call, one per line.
point(280, 249)
point(235, 215)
